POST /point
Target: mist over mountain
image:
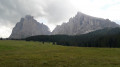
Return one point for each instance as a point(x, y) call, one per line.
point(28, 26)
point(81, 24)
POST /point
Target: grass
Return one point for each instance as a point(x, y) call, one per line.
point(35, 54)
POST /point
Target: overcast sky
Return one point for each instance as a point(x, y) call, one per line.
point(53, 12)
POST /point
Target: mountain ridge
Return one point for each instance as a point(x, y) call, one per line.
point(81, 24)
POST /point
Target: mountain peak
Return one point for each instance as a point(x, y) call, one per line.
point(79, 13)
point(83, 23)
point(28, 26)
point(28, 16)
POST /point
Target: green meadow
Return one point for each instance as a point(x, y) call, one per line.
point(36, 54)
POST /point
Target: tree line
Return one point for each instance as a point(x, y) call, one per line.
point(108, 37)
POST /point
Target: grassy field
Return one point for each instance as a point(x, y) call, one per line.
point(35, 54)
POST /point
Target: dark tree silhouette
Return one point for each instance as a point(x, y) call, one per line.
point(108, 37)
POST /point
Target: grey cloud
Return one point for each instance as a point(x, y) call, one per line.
point(58, 10)
point(53, 10)
point(11, 10)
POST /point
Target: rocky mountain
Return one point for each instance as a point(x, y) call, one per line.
point(81, 24)
point(28, 26)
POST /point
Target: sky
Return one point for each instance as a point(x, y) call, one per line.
point(54, 12)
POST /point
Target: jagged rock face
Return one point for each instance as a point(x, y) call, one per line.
point(81, 24)
point(28, 26)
